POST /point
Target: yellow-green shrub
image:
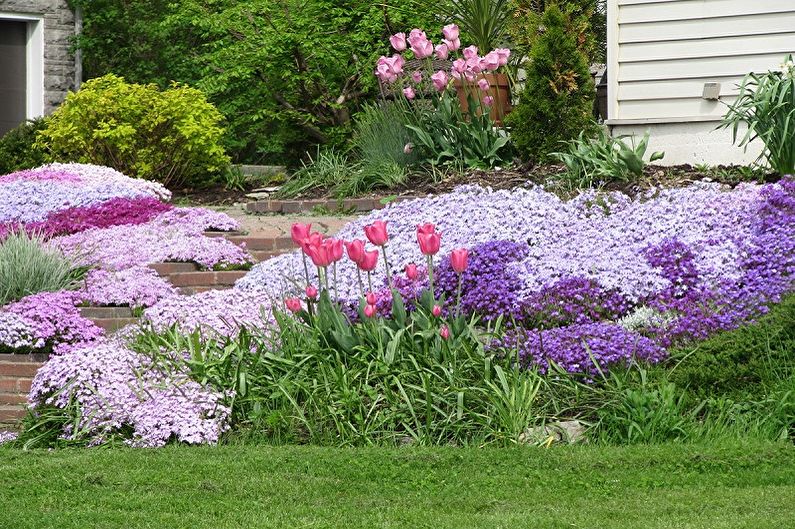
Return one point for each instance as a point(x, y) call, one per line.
point(172, 136)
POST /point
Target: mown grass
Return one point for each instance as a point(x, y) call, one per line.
point(663, 486)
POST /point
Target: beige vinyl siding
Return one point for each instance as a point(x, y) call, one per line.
point(662, 52)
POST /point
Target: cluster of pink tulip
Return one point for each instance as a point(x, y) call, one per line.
point(469, 67)
point(326, 252)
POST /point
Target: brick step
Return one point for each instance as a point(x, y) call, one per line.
point(189, 291)
point(11, 415)
point(305, 206)
point(252, 243)
point(13, 399)
point(111, 319)
point(209, 279)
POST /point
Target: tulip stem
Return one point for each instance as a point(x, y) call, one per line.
point(458, 296)
point(359, 276)
point(430, 277)
point(306, 269)
point(370, 281)
point(386, 265)
point(336, 291)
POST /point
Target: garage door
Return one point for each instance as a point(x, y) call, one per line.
point(13, 75)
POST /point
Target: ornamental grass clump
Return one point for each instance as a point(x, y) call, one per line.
point(29, 266)
point(766, 105)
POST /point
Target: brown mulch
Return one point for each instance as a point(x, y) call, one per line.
point(420, 184)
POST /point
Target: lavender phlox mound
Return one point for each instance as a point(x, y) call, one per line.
point(30, 196)
point(580, 348)
point(136, 287)
point(17, 334)
point(573, 300)
point(120, 391)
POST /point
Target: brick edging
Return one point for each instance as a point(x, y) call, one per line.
point(332, 204)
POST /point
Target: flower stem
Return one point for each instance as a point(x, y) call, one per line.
point(359, 276)
point(430, 276)
point(386, 265)
point(306, 269)
point(458, 296)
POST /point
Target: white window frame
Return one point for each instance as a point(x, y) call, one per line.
point(34, 51)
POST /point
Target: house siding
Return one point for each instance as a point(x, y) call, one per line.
point(58, 31)
point(661, 53)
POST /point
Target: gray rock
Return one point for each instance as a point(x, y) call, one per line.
point(568, 432)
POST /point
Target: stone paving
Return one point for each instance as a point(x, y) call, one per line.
point(278, 225)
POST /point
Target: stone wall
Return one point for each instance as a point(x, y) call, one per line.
point(59, 28)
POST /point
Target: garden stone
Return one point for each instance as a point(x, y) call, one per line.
point(569, 432)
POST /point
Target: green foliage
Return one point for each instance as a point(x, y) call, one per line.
point(484, 23)
point(589, 161)
point(320, 379)
point(172, 136)
point(381, 134)
point(443, 135)
point(29, 266)
point(767, 106)
point(557, 101)
point(747, 361)
point(18, 148)
point(326, 170)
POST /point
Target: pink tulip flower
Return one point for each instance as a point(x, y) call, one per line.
point(370, 311)
point(444, 332)
point(491, 61)
point(442, 52)
point(370, 298)
point(409, 93)
point(335, 249)
point(459, 68)
point(471, 52)
point(411, 271)
point(376, 233)
point(459, 259)
point(311, 292)
point(299, 232)
point(450, 32)
point(439, 80)
point(488, 101)
point(293, 305)
point(369, 261)
point(398, 41)
point(314, 239)
point(320, 254)
point(429, 242)
point(426, 228)
point(436, 310)
point(503, 54)
point(453, 44)
point(355, 250)
point(416, 77)
point(422, 49)
point(483, 84)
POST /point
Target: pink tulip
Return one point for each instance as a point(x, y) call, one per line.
point(335, 249)
point(436, 310)
point(473, 65)
point(409, 93)
point(440, 80)
point(426, 228)
point(314, 239)
point(376, 233)
point(411, 271)
point(442, 52)
point(458, 259)
point(471, 52)
point(488, 101)
point(371, 299)
point(444, 332)
point(422, 49)
point(319, 254)
point(483, 84)
point(311, 292)
point(491, 61)
point(416, 34)
point(450, 32)
point(503, 54)
point(416, 77)
point(293, 304)
point(452, 44)
point(398, 41)
point(355, 250)
point(429, 242)
point(370, 311)
point(299, 232)
point(408, 148)
point(369, 261)
point(459, 68)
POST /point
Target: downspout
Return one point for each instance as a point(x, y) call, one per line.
point(78, 51)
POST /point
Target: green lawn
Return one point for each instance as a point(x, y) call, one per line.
point(667, 486)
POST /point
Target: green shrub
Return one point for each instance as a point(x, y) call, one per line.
point(28, 266)
point(18, 149)
point(325, 171)
point(172, 136)
point(746, 361)
point(604, 159)
point(381, 134)
point(767, 106)
point(556, 103)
